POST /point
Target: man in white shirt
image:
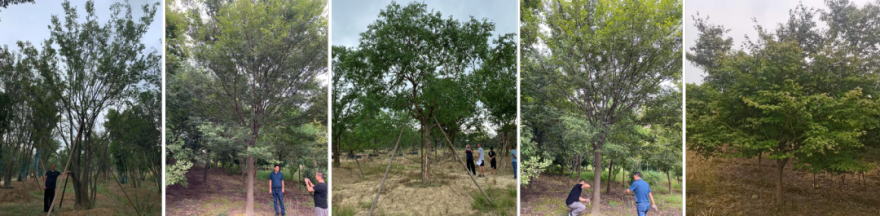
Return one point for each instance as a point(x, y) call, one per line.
point(481, 162)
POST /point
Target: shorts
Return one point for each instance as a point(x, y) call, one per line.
point(492, 162)
point(481, 163)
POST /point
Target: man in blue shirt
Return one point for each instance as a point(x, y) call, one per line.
point(276, 186)
point(643, 192)
point(51, 178)
point(513, 153)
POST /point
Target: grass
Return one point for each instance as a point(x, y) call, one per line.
point(503, 201)
point(343, 211)
point(365, 204)
point(668, 199)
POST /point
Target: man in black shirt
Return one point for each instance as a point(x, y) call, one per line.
point(492, 160)
point(470, 159)
point(49, 187)
point(574, 198)
point(320, 195)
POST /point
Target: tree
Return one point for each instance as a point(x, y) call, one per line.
point(797, 93)
point(94, 67)
point(261, 56)
point(414, 61)
point(606, 59)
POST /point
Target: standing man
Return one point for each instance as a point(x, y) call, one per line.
point(320, 195)
point(469, 155)
point(643, 192)
point(574, 199)
point(481, 162)
point(50, 180)
point(513, 153)
point(276, 186)
point(492, 160)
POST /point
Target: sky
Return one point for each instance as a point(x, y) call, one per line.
point(737, 16)
point(30, 22)
point(351, 17)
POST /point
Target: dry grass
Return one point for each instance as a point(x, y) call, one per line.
point(26, 198)
point(404, 194)
point(731, 186)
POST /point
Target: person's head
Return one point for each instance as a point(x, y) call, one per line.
point(319, 176)
point(583, 184)
point(478, 145)
point(468, 146)
point(277, 167)
point(491, 148)
point(53, 166)
point(637, 175)
point(511, 147)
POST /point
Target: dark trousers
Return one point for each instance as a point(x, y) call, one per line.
point(471, 167)
point(48, 196)
point(278, 200)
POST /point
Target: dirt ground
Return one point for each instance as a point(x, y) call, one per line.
point(450, 192)
point(26, 198)
point(226, 194)
point(546, 196)
point(731, 186)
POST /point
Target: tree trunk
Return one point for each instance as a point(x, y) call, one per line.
point(426, 141)
point(780, 168)
point(205, 177)
point(668, 180)
point(562, 167)
point(249, 206)
point(759, 161)
point(336, 149)
point(597, 180)
point(610, 174)
point(579, 160)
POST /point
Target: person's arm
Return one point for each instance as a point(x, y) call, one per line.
point(309, 186)
point(584, 200)
point(651, 195)
point(270, 184)
point(282, 186)
point(45, 181)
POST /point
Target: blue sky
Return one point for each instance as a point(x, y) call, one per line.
point(737, 16)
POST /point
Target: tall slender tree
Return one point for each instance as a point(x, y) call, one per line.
point(262, 56)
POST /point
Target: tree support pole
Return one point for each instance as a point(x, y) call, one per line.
point(459, 160)
point(67, 165)
point(376, 200)
point(126, 195)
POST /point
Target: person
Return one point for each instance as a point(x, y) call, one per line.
point(481, 162)
point(492, 160)
point(513, 160)
point(643, 192)
point(50, 180)
point(320, 193)
point(469, 155)
point(574, 198)
point(276, 187)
